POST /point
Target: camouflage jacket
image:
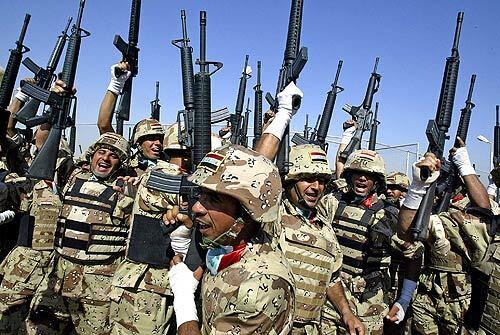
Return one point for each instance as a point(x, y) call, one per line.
point(152, 204)
point(253, 296)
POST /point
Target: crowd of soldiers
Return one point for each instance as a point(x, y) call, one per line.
point(101, 250)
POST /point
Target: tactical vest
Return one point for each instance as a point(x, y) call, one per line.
point(314, 255)
point(87, 230)
point(363, 238)
point(37, 228)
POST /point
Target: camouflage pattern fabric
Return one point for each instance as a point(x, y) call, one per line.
point(85, 291)
point(141, 296)
point(307, 160)
point(23, 270)
point(253, 296)
point(314, 255)
point(147, 127)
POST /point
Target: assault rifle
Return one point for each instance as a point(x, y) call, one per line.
point(496, 140)
point(373, 130)
point(437, 132)
point(294, 61)
point(155, 104)
point(130, 54)
point(243, 137)
point(43, 77)
point(257, 116)
point(362, 114)
point(236, 119)
point(321, 130)
point(72, 130)
point(9, 80)
point(44, 164)
point(450, 179)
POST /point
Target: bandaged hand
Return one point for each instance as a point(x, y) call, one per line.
point(119, 75)
point(183, 285)
point(418, 186)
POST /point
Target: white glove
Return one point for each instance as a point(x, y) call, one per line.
point(6, 216)
point(21, 96)
point(285, 98)
point(347, 135)
point(418, 188)
point(284, 114)
point(183, 285)
point(400, 314)
point(180, 240)
point(116, 83)
point(461, 160)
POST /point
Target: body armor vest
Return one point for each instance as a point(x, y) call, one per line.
point(87, 230)
point(37, 228)
point(314, 255)
point(362, 238)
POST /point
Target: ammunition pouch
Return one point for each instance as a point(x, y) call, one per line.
point(150, 241)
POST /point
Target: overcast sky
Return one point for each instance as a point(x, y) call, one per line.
point(412, 39)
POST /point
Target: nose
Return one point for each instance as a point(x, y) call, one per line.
point(198, 209)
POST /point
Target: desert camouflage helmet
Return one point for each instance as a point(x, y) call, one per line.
point(147, 127)
point(398, 179)
point(367, 161)
point(306, 160)
point(171, 139)
point(112, 141)
point(245, 175)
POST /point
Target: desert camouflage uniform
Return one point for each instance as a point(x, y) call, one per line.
point(367, 236)
point(141, 296)
point(252, 296)
point(90, 241)
point(307, 239)
point(256, 294)
point(444, 291)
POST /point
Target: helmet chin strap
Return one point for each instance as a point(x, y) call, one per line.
point(300, 198)
point(226, 237)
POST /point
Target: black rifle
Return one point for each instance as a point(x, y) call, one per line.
point(72, 130)
point(321, 130)
point(43, 77)
point(294, 61)
point(243, 137)
point(202, 141)
point(312, 135)
point(9, 79)
point(236, 119)
point(257, 116)
point(307, 129)
point(190, 192)
point(437, 130)
point(44, 164)
point(362, 114)
point(373, 130)
point(187, 115)
point(155, 104)
point(130, 54)
point(450, 180)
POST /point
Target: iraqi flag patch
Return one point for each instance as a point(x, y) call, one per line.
point(318, 157)
point(212, 161)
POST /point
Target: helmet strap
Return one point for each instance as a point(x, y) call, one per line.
point(223, 239)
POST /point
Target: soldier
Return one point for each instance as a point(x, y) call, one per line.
point(366, 230)
point(397, 186)
point(306, 237)
point(247, 287)
point(176, 153)
point(443, 294)
point(90, 240)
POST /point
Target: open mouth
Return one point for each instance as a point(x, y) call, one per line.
point(311, 196)
point(202, 226)
point(360, 188)
point(103, 166)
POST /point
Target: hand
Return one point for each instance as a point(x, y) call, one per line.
point(134, 181)
point(460, 158)
point(396, 314)
point(349, 131)
point(172, 216)
point(119, 74)
point(20, 95)
point(354, 324)
point(349, 123)
point(431, 162)
point(285, 98)
point(60, 87)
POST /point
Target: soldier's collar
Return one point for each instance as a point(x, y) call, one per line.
point(308, 215)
